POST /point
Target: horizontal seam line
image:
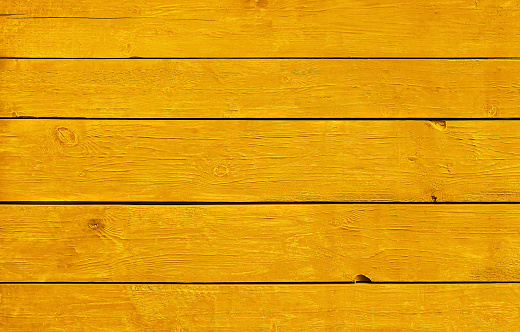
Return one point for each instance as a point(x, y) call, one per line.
point(259, 58)
point(260, 119)
point(243, 203)
point(256, 283)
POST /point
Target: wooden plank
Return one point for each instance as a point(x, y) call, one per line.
point(262, 243)
point(355, 307)
point(260, 88)
point(260, 28)
point(251, 161)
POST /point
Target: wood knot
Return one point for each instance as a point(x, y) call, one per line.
point(95, 224)
point(168, 90)
point(262, 3)
point(257, 3)
point(220, 170)
point(127, 49)
point(438, 124)
point(66, 136)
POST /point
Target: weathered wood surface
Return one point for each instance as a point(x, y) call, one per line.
point(260, 28)
point(354, 307)
point(260, 243)
point(260, 88)
point(259, 161)
point(233, 160)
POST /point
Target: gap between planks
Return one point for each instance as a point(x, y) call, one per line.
point(173, 203)
point(259, 58)
point(267, 283)
point(257, 119)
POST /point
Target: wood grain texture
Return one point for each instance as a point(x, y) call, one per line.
point(260, 88)
point(355, 307)
point(260, 28)
point(260, 243)
point(233, 160)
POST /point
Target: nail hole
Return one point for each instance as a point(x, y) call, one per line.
point(360, 278)
point(434, 198)
point(492, 112)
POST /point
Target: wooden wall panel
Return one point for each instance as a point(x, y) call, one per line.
point(260, 88)
point(359, 307)
point(233, 160)
point(280, 243)
point(120, 260)
point(260, 28)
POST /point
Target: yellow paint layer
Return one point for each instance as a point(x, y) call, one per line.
point(354, 307)
point(260, 28)
point(261, 243)
point(233, 160)
point(260, 88)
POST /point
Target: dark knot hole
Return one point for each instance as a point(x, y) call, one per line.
point(361, 278)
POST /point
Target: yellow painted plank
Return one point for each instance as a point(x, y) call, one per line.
point(234, 160)
point(260, 88)
point(354, 307)
point(260, 28)
point(261, 243)
point(258, 160)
